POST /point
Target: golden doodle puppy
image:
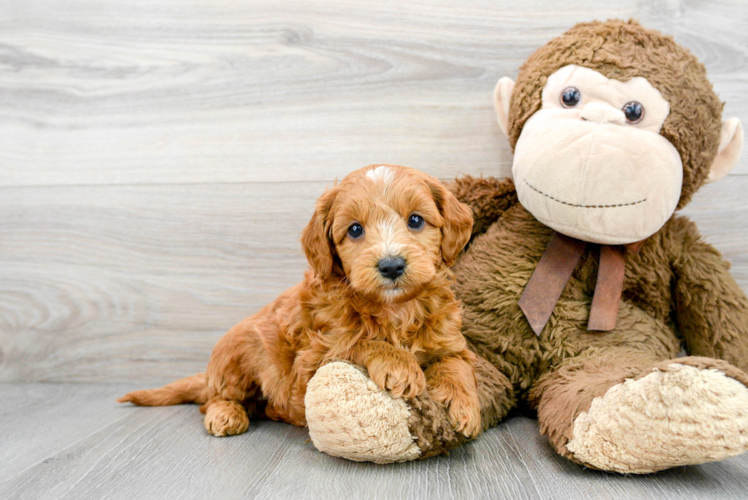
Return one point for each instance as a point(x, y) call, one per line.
point(377, 294)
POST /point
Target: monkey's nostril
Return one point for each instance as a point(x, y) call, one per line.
point(391, 267)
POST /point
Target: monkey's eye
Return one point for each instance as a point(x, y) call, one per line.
point(355, 231)
point(570, 97)
point(634, 111)
point(415, 221)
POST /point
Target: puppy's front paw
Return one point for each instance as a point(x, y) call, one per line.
point(464, 415)
point(226, 418)
point(398, 373)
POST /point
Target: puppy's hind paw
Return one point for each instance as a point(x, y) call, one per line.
point(226, 418)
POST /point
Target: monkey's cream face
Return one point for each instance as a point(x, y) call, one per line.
point(591, 163)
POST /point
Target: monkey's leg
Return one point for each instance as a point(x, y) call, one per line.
point(626, 413)
point(349, 416)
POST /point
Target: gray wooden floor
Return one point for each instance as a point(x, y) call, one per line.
point(158, 160)
point(72, 441)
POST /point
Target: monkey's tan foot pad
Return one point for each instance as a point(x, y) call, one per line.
point(676, 415)
point(350, 417)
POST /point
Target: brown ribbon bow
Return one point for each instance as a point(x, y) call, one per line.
point(553, 272)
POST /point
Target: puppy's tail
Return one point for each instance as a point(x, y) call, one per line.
point(192, 389)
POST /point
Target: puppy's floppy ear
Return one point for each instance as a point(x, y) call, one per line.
point(316, 239)
point(458, 222)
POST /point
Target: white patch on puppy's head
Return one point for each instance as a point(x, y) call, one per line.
point(382, 174)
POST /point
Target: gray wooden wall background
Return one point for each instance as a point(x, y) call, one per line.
point(158, 158)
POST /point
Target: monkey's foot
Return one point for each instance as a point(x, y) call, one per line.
point(686, 411)
point(349, 416)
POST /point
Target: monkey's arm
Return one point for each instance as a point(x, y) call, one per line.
point(711, 309)
point(489, 198)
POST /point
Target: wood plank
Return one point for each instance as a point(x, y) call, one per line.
point(162, 453)
point(39, 421)
point(161, 91)
point(89, 274)
point(99, 450)
point(120, 283)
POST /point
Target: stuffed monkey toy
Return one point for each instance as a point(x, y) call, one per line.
point(579, 285)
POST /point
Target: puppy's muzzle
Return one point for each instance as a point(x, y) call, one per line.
point(391, 267)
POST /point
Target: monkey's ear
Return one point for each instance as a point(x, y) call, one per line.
point(458, 222)
point(502, 97)
point(730, 147)
point(316, 239)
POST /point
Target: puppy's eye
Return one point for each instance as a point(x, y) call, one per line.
point(634, 111)
point(570, 97)
point(415, 221)
point(356, 231)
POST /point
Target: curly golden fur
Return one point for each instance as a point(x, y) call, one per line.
point(404, 330)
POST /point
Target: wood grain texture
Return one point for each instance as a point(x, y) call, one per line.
point(121, 282)
point(158, 158)
point(168, 91)
point(91, 448)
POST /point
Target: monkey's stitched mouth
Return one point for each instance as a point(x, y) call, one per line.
point(582, 206)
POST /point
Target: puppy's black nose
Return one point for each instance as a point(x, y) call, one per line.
point(391, 267)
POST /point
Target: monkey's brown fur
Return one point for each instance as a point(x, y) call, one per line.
point(677, 288)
